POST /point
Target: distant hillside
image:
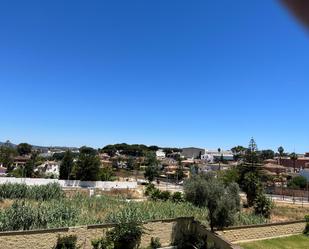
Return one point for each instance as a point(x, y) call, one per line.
point(39, 147)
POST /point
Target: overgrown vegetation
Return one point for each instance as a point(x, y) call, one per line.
point(81, 210)
point(156, 194)
point(37, 192)
point(67, 242)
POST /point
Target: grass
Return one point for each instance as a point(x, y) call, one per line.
point(291, 242)
point(287, 212)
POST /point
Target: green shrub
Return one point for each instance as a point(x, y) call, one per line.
point(164, 195)
point(297, 182)
point(101, 243)
point(154, 243)
point(263, 205)
point(306, 231)
point(155, 194)
point(67, 242)
point(177, 197)
point(150, 187)
point(126, 235)
point(128, 229)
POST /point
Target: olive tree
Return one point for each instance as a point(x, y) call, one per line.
point(221, 201)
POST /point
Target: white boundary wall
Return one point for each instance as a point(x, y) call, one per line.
point(71, 183)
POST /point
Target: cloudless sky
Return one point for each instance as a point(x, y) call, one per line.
point(165, 72)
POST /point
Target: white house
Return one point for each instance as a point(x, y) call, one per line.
point(211, 155)
point(49, 168)
point(160, 154)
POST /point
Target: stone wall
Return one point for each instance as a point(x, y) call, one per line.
point(46, 239)
point(214, 239)
point(168, 231)
point(266, 231)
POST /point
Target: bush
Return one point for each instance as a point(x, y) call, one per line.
point(190, 240)
point(306, 231)
point(67, 242)
point(298, 182)
point(263, 205)
point(126, 235)
point(177, 197)
point(128, 229)
point(155, 194)
point(101, 243)
point(154, 243)
point(150, 187)
point(164, 195)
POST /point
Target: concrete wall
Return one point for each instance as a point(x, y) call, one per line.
point(105, 185)
point(266, 231)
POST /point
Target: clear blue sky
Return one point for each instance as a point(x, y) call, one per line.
point(171, 73)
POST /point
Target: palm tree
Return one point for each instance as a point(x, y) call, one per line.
point(294, 157)
point(219, 151)
point(281, 151)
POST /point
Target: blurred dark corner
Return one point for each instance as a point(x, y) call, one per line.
point(300, 8)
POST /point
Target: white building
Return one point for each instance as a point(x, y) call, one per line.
point(49, 168)
point(160, 154)
point(211, 155)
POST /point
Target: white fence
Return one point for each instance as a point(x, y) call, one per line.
point(71, 183)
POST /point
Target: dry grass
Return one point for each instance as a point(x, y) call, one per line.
point(5, 203)
point(288, 212)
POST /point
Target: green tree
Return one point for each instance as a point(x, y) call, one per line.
point(7, 157)
point(106, 174)
point(251, 155)
point(229, 176)
point(252, 186)
point(220, 158)
point(238, 152)
point(151, 172)
point(298, 182)
point(294, 157)
point(28, 170)
point(87, 167)
point(267, 154)
point(222, 202)
point(250, 174)
point(152, 169)
point(87, 150)
point(180, 173)
point(66, 165)
point(130, 163)
point(263, 205)
point(24, 149)
point(281, 153)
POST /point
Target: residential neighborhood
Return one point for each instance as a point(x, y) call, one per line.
point(154, 124)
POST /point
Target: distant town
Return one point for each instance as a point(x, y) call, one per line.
point(174, 164)
point(128, 196)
